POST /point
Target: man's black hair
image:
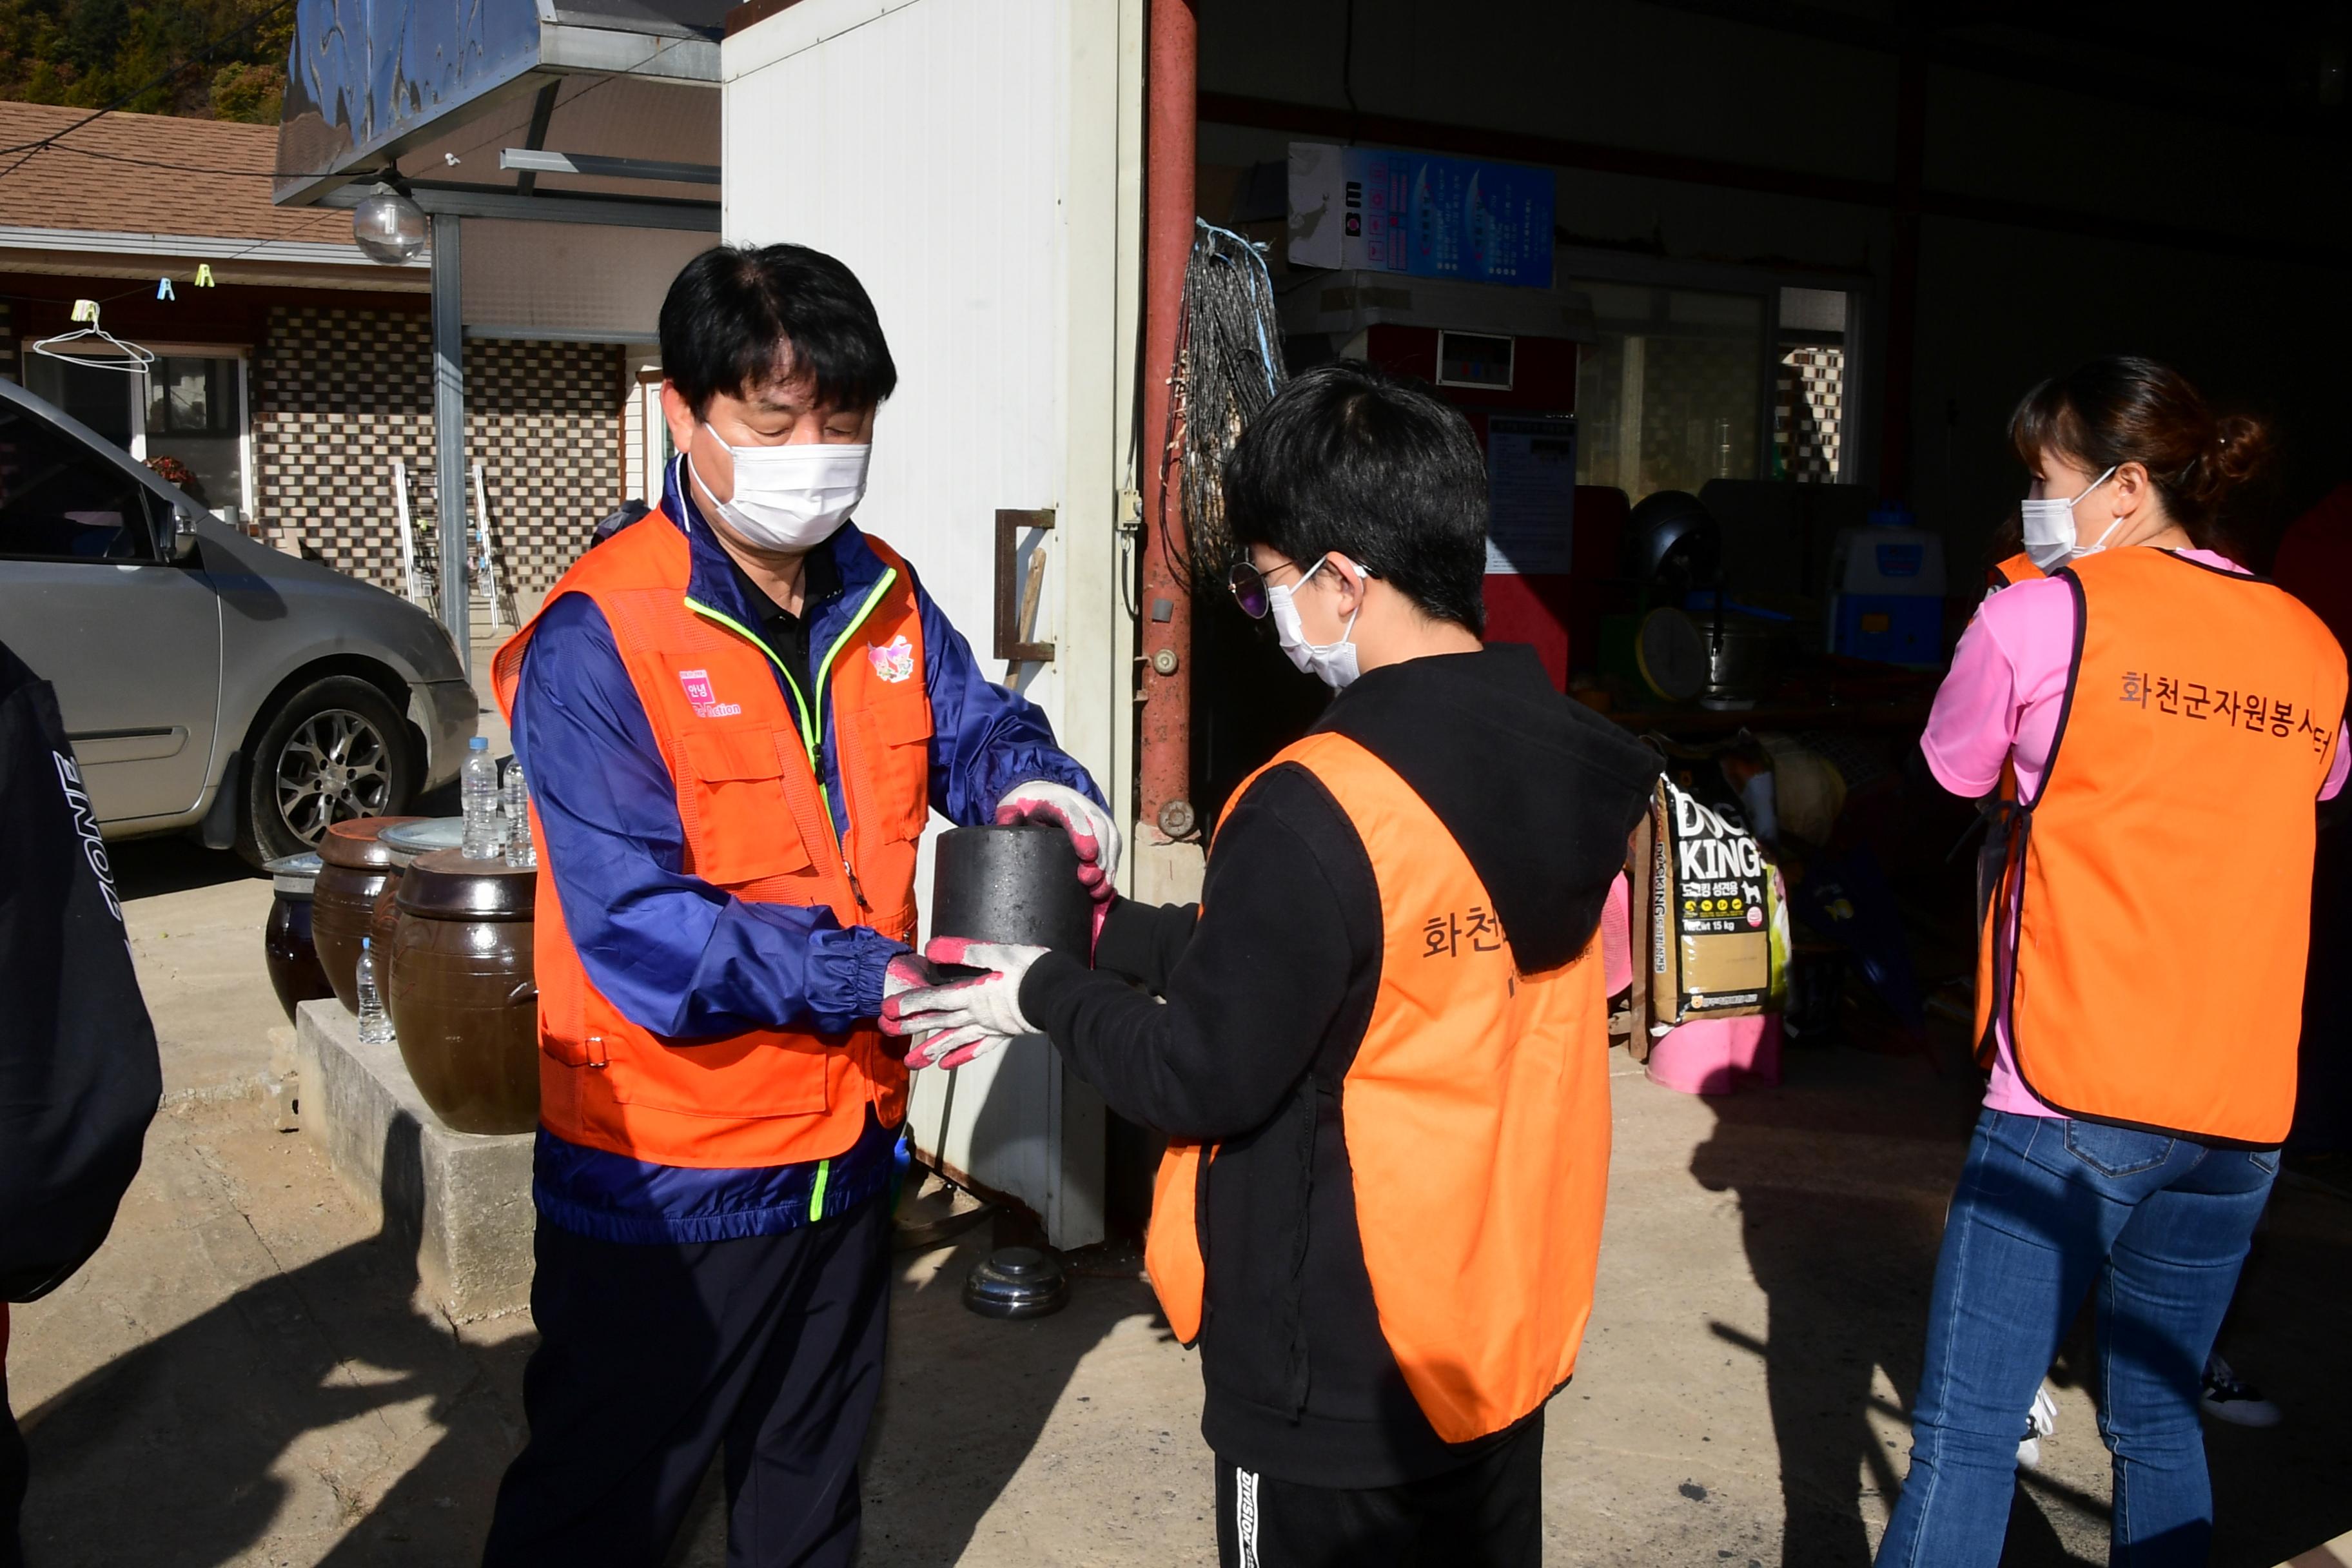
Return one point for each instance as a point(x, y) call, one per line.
point(1351, 459)
point(739, 318)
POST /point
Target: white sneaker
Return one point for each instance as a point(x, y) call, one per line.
point(2041, 1421)
point(2239, 1403)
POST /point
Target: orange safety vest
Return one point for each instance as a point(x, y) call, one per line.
point(1476, 1119)
point(2154, 909)
point(745, 766)
point(2018, 568)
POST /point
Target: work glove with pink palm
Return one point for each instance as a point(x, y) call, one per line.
point(966, 1014)
point(1092, 833)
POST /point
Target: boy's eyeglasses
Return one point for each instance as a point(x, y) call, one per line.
point(1250, 591)
point(1248, 586)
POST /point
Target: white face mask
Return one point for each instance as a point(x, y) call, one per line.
point(1335, 662)
point(791, 498)
point(2050, 529)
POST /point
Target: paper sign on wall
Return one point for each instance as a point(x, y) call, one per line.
point(1531, 494)
point(1380, 210)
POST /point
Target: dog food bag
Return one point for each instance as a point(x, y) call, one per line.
point(1711, 914)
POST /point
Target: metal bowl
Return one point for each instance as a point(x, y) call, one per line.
point(1017, 1282)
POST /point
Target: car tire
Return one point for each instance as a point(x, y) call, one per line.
point(333, 750)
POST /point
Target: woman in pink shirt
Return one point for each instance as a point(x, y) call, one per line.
point(2125, 455)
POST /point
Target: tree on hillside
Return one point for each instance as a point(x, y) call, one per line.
point(221, 60)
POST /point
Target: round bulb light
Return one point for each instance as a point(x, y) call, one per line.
point(389, 227)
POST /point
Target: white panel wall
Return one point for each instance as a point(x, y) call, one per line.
point(938, 148)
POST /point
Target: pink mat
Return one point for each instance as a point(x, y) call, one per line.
point(1718, 1056)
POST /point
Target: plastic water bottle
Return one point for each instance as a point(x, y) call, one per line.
point(479, 792)
point(520, 851)
point(375, 1024)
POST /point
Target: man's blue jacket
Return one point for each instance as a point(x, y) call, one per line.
point(683, 958)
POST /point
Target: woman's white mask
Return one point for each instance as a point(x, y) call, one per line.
point(2050, 529)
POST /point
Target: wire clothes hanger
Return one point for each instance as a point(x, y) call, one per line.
point(129, 358)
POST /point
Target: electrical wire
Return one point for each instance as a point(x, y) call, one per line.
point(1228, 367)
point(30, 149)
point(203, 56)
point(47, 144)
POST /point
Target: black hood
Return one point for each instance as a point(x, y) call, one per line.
point(1540, 792)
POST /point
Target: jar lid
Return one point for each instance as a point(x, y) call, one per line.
point(295, 875)
point(425, 834)
point(446, 885)
point(356, 845)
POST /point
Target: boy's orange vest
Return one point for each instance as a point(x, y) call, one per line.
point(2153, 911)
point(1476, 1119)
point(745, 766)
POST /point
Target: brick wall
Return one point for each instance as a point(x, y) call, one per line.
point(338, 394)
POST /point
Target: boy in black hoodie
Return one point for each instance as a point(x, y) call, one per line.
point(1382, 1055)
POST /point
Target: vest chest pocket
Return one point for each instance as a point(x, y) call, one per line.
point(892, 751)
point(742, 825)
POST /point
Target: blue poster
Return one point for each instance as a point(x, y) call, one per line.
point(1449, 218)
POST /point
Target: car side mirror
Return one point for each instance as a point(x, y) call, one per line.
point(180, 545)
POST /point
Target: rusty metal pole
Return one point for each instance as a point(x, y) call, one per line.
point(1164, 800)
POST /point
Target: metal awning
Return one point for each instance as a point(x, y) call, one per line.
point(437, 91)
point(596, 112)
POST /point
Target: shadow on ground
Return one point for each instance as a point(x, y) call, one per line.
point(144, 867)
point(178, 1452)
point(1843, 1175)
point(183, 1452)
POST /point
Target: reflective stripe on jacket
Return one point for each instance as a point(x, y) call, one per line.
point(743, 756)
point(1475, 1113)
point(2154, 908)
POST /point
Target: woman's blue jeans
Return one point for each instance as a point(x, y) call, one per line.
point(2046, 1209)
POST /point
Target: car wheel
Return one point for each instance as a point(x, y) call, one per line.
point(334, 751)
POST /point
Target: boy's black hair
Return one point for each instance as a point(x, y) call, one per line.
point(1350, 459)
point(737, 318)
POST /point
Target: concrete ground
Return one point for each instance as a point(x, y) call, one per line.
point(243, 1375)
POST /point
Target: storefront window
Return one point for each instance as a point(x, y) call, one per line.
point(98, 395)
point(1668, 398)
point(185, 416)
point(196, 416)
point(1809, 412)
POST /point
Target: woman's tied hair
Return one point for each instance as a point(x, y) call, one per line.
point(2125, 409)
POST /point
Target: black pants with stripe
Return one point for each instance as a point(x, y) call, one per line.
point(1486, 1514)
point(653, 1358)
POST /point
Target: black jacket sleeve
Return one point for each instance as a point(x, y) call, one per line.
point(1290, 930)
point(78, 1074)
point(1142, 942)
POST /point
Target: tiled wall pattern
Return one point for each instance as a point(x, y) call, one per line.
point(544, 421)
point(338, 394)
point(1809, 397)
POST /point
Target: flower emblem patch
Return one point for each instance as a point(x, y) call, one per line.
point(893, 661)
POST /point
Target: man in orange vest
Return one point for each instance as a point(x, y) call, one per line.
point(736, 714)
point(1382, 1058)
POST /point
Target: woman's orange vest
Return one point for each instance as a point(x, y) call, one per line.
point(745, 765)
point(2019, 568)
point(2153, 911)
point(1476, 1119)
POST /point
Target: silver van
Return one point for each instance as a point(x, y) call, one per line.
point(207, 681)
